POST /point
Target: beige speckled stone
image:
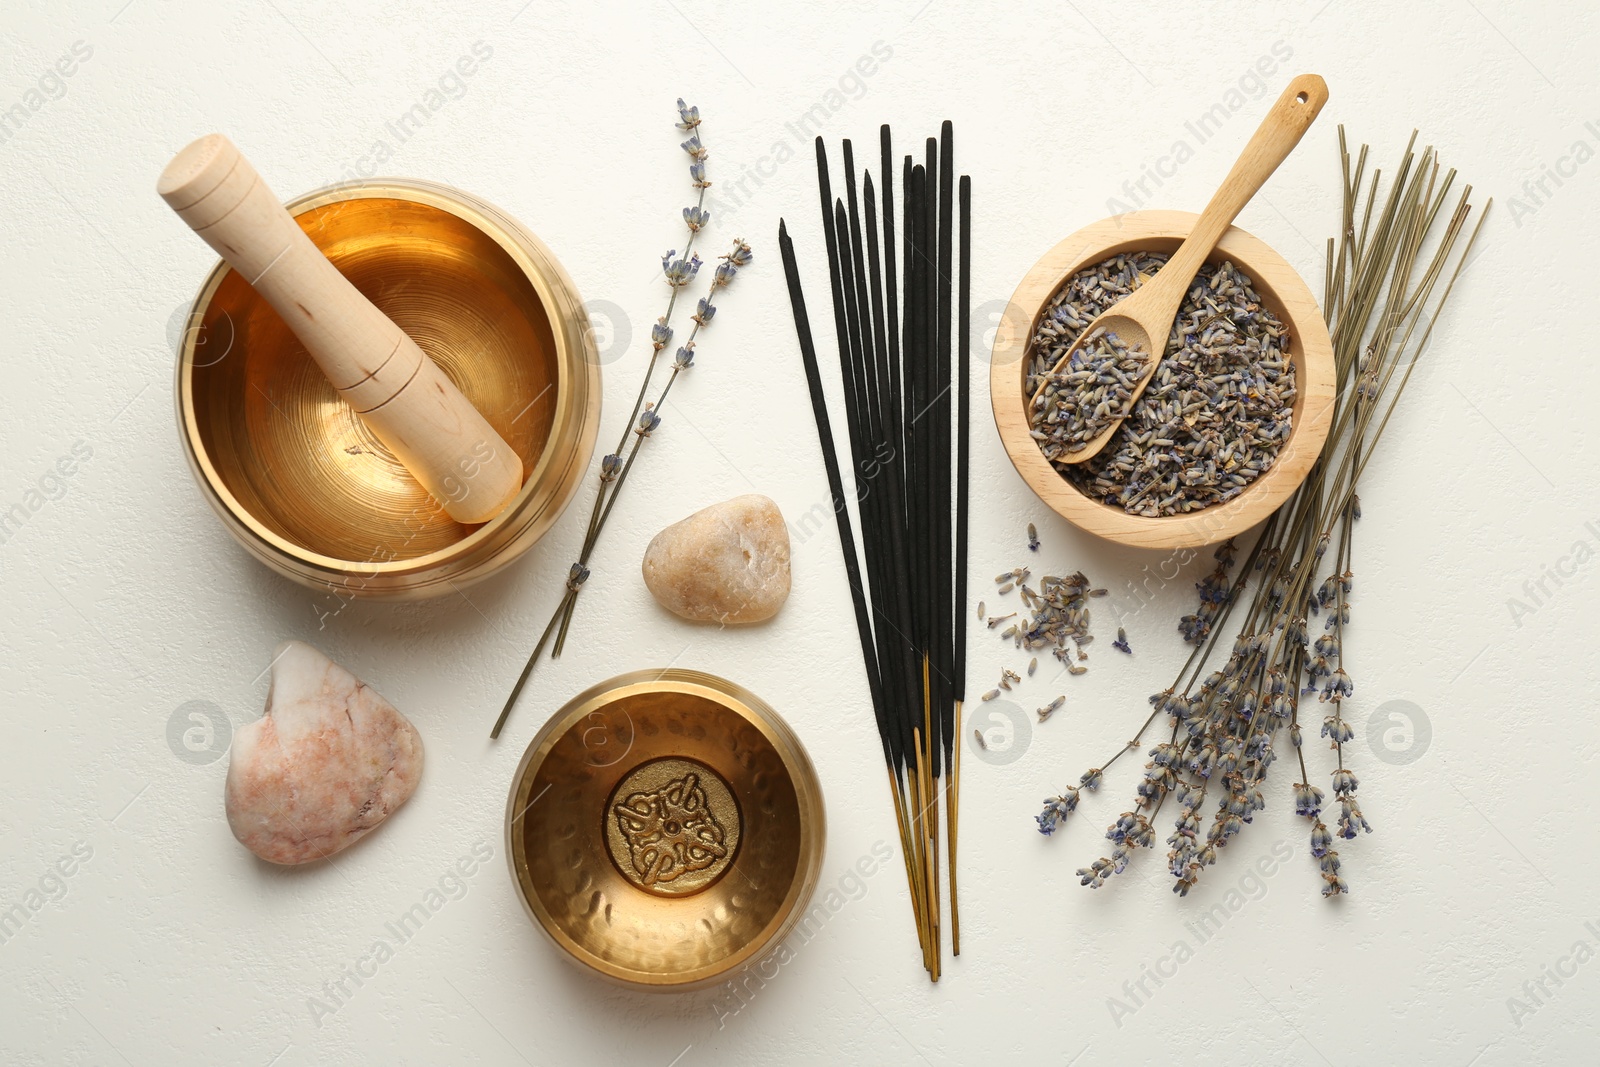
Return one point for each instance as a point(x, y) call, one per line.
point(326, 764)
point(728, 563)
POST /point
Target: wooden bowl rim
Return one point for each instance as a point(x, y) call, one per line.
point(755, 711)
point(1310, 347)
point(517, 243)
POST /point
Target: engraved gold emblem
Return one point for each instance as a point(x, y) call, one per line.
point(673, 827)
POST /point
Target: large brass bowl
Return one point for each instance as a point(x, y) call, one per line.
point(296, 475)
point(664, 828)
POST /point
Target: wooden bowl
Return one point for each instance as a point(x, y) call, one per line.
point(295, 474)
point(664, 829)
point(1284, 294)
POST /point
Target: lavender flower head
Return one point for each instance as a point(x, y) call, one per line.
point(729, 267)
point(1056, 810)
point(1329, 864)
point(1350, 818)
point(660, 334)
point(679, 272)
point(1307, 800)
point(1130, 829)
point(1338, 686)
point(1094, 876)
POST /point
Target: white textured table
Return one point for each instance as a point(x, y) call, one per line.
point(147, 935)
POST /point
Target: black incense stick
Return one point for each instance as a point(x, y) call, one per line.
point(946, 620)
point(963, 437)
point(963, 464)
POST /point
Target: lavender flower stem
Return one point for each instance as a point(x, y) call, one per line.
point(666, 320)
point(533, 657)
point(680, 273)
point(649, 371)
point(598, 517)
point(626, 467)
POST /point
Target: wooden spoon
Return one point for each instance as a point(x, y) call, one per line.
point(1144, 319)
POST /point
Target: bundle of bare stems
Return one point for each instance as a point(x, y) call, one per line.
point(903, 402)
point(1382, 297)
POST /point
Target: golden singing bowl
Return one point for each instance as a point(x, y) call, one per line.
point(296, 475)
point(664, 828)
point(1282, 292)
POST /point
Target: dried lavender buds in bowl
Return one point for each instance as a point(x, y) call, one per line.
point(1088, 393)
point(1215, 415)
point(1149, 237)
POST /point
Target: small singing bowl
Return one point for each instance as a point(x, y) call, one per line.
point(299, 479)
point(665, 828)
point(1282, 292)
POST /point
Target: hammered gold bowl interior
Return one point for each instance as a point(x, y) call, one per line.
point(298, 476)
point(665, 828)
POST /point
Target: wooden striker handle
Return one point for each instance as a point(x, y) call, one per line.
point(1287, 121)
point(402, 395)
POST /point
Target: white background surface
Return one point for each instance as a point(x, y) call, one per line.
point(125, 598)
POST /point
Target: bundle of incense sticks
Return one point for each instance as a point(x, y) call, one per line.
point(902, 405)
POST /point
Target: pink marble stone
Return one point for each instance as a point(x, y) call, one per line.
point(327, 763)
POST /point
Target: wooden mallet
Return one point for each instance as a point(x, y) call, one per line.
point(399, 392)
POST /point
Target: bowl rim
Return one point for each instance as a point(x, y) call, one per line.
point(511, 238)
point(1271, 275)
point(754, 710)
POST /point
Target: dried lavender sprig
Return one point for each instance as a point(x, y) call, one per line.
point(723, 277)
point(679, 271)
